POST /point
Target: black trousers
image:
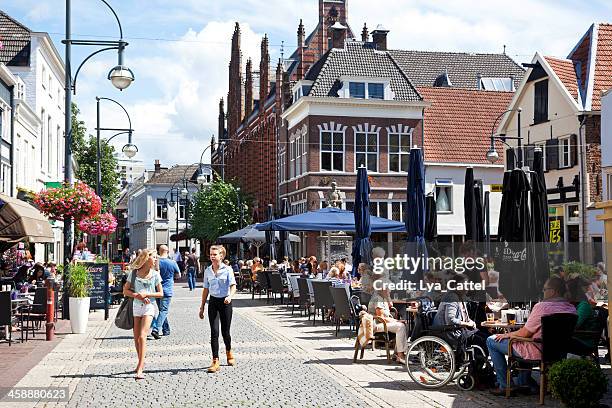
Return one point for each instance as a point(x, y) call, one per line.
point(217, 310)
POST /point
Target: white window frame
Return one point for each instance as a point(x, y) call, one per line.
point(43, 77)
point(377, 156)
point(331, 151)
point(399, 153)
point(49, 145)
point(448, 184)
point(344, 92)
point(563, 142)
point(282, 163)
point(291, 159)
point(161, 209)
point(42, 138)
point(298, 207)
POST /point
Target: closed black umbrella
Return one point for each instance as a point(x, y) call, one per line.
point(472, 205)
point(285, 244)
point(539, 218)
point(431, 225)
point(415, 211)
point(362, 246)
point(515, 261)
point(270, 234)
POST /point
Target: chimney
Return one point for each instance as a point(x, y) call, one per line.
point(365, 35)
point(248, 90)
point(338, 35)
point(379, 37)
point(157, 166)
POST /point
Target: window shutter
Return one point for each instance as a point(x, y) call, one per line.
point(574, 150)
point(510, 159)
point(552, 154)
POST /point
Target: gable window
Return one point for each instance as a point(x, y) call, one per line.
point(332, 151)
point(444, 196)
point(497, 84)
point(366, 150)
point(357, 90)
point(161, 209)
point(376, 91)
point(565, 152)
point(540, 105)
point(399, 151)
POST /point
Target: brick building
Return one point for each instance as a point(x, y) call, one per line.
point(360, 103)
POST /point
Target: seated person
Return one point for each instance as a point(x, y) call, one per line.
point(582, 342)
point(257, 267)
point(554, 302)
point(453, 311)
point(333, 275)
point(393, 326)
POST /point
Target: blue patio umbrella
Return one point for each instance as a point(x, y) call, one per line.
point(362, 246)
point(415, 211)
point(328, 219)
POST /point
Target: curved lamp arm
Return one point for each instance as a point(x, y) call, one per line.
point(83, 63)
point(99, 98)
point(116, 18)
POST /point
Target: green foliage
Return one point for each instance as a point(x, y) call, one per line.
point(577, 383)
point(79, 281)
point(584, 270)
point(214, 211)
point(85, 153)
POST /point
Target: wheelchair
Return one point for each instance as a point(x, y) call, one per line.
point(434, 358)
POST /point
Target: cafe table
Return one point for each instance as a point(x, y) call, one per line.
point(500, 326)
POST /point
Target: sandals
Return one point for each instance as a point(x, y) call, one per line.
point(139, 376)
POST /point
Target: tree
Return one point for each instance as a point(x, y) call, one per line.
point(214, 211)
point(85, 154)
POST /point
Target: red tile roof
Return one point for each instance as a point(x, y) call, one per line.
point(564, 69)
point(458, 123)
point(603, 64)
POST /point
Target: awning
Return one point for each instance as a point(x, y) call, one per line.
point(19, 220)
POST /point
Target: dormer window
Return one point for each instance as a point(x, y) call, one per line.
point(366, 88)
point(302, 88)
point(497, 84)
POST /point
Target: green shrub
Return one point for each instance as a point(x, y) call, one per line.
point(79, 281)
point(584, 270)
point(577, 383)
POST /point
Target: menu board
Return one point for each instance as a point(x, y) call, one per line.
point(99, 290)
point(117, 268)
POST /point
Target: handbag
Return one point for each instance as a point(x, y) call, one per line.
point(125, 315)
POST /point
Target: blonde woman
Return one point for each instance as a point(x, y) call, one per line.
point(147, 286)
point(219, 281)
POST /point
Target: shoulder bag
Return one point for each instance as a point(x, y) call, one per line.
point(125, 315)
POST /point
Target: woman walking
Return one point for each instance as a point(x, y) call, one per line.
point(147, 285)
point(219, 281)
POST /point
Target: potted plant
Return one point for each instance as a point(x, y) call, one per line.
point(577, 383)
point(79, 283)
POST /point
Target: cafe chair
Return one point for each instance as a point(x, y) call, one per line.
point(259, 285)
point(36, 313)
point(294, 291)
point(382, 338)
point(581, 348)
point(276, 287)
point(343, 309)
point(557, 331)
point(322, 298)
point(246, 279)
point(305, 297)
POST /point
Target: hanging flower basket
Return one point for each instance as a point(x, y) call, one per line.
point(78, 201)
point(99, 224)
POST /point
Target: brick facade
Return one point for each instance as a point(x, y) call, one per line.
point(592, 134)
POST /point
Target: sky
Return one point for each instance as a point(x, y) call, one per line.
point(179, 50)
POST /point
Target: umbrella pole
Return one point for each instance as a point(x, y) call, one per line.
point(487, 223)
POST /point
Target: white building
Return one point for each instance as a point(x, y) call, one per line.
point(39, 101)
point(7, 86)
point(155, 213)
point(129, 169)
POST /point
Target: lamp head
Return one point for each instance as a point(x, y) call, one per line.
point(130, 150)
point(121, 77)
point(492, 156)
point(201, 179)
point(184, 192)
point(171, 203)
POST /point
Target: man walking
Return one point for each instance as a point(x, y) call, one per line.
point(192, 268)
point(167, 269)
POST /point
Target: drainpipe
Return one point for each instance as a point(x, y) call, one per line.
point(12, 150)
point(583, 178)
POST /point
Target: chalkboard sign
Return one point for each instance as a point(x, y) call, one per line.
point(99, 291)
point(117, 268)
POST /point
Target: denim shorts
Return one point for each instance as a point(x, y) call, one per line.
point(141, 309)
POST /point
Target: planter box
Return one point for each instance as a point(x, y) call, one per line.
point(79, 314)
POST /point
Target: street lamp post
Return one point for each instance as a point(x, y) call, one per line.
point(120, 76)
point(179, 193)
point(492, 154)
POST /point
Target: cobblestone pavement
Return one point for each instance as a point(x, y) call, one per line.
point(282, 360)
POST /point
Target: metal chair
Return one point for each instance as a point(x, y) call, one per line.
point(343, 310)
point(6, 314)
point(36, 312)
point(557, 331)
point(578, 344)
point(294, 294)
point(304, 296)
point(276, 286)
point(322, 298)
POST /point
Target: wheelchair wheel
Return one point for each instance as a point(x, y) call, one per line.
point(430, 362)
point(466, 382)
